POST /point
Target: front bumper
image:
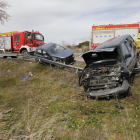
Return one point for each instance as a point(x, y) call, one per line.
point(109, 92)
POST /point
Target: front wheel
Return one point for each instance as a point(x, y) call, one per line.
point(38, 60)
point(13, 56)
point(137, 63)
point(25, 52)
point(4, 57)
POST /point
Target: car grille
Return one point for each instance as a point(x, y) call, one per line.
point(99, 83)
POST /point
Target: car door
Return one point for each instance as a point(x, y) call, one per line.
point(17, 42)
point(39, 53)
point(124, 52)
point(130, 46)
point(46, 55)
point(28, 39)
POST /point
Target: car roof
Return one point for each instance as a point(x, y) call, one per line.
point(46, 46)
point(113, 43)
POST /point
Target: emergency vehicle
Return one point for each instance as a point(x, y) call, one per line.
point(102, 33)
point(20, 42)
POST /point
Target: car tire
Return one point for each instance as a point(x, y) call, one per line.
point(131, 79)
point(4, 57)
point(25, 52)
point(137, 63)
point(13, 56)
point(129, 92)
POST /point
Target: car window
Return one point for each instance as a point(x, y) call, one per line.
point(58, 49)
point(133, 42)
point(51, 50)
point(124, 49)
point(128, 44)
point(39, 51)
point(43, 52)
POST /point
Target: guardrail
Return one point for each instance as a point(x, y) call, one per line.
point(40, 59)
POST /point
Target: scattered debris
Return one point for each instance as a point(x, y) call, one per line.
point(25, 79)
point(31, 74)
point(119, 107)
point(101, 112)
point(70, 71)
point(8, 111)
point(8, 70)
point(1, 115)
point(65, 112)
point(56, 99)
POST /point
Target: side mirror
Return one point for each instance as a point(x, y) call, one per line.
point(127, 56)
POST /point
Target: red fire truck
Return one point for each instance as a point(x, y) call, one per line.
point(102, 33)
point(20, 42)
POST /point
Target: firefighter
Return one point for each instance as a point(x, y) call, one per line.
point(138, 42)
point(29, 36)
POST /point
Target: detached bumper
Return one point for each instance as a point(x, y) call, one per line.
point(109, 92)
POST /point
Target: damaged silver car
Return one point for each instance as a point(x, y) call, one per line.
point(110, 68)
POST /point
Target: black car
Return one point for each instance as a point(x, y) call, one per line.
point(54, 52)
point(110, 68)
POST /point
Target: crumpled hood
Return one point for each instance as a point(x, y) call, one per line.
point(98, 55)
point(66, 53)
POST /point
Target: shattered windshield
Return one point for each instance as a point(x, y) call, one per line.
point(56, 49)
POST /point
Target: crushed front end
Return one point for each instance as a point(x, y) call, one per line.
point(103, 75)
point(69, 60)
point(103, 80)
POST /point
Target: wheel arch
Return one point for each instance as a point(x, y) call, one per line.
point(27, 48)
point(22, 49)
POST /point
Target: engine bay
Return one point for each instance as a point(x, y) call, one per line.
point(101, 77)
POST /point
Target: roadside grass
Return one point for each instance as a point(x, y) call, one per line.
point(48, 106)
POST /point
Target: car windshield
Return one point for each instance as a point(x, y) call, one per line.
point(56, 49)
point(39, 37)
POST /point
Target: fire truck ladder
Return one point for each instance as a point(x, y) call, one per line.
point(8, 33)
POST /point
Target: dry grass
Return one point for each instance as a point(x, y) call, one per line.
point(48, 106)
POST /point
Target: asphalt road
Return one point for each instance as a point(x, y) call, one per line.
point(77, 58)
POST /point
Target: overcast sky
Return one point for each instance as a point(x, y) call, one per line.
point(68, 20)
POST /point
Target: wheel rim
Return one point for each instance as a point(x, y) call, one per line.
point(25, 53)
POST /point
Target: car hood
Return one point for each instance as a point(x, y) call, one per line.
point(66, 53)
point(89, 56)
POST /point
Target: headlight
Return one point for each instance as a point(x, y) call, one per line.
point(117, 78)
point(87, 75)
